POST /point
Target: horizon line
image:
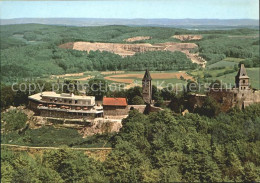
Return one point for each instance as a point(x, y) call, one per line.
point(135, 18)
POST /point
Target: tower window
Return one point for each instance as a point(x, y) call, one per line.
point(244, 81)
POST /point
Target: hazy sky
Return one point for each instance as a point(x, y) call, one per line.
point(175, 9)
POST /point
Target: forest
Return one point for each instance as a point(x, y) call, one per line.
point(31, 50)
point(159, 147)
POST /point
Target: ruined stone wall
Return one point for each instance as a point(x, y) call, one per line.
point(247, 97)
point(195, 101)
point(140, 108)
point(235, 97)
point(151, 108)
point(225, 98)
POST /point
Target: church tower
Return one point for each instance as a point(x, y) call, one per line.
point(242, 79)
point(147, 87)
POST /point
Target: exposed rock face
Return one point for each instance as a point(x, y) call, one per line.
point(138, 38)
point(188, 37)
point(120, 49)
point(130, 49)
point(100, 126)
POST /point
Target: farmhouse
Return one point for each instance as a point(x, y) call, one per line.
point(65, 105)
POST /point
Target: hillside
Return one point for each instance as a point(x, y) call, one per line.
point(32, 50)
point(160, 147)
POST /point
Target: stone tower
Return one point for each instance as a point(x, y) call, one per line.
point(242, 79)
point(147, 87)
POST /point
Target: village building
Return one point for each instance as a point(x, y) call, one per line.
point(115, 106)
point(65, 105)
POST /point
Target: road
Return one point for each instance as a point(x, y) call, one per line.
point(56, 148)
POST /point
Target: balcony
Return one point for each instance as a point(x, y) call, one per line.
point(51, 107)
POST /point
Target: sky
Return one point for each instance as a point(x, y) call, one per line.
point(129, 9)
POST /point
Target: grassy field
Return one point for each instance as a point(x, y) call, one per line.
point(201, 73)
point(253, 73)
point(231, 59)
point(222, 63)
point(134, 78)
point(162, 78)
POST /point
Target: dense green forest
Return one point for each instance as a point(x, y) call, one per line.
point(31, 50)
point(159, 147)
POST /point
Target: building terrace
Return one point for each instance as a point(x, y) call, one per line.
point(65, 105)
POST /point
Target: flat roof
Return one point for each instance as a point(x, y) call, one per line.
point(38, 96)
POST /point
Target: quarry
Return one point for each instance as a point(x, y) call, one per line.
point(125, 50)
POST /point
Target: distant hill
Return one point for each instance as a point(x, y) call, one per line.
point(137, 22)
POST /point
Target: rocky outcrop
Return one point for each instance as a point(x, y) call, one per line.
point(188, 37)
point(100, 126)
point(137, 38)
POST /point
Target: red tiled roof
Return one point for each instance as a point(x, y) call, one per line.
point(114, 101)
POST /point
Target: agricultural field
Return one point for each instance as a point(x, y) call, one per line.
point(129, 78)
point(223, 63)
point(253, 73)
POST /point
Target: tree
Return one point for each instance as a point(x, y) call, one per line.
point(159, 102)
point(13, 120)
point(192, 86)
point(137, 100)
point(97, 88)
point(216, 84)
point(167, 93)
point(209, 108)
point(132, 92)
point(7, 96)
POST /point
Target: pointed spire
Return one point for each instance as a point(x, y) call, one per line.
point(242, 72)
point(147, 75)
